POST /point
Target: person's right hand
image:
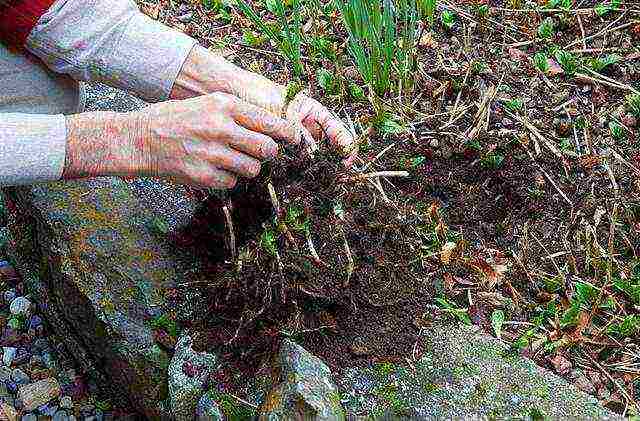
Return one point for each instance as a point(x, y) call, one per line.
point(208, 140)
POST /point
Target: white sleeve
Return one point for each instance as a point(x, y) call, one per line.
point(32, 148)
point(110, 41)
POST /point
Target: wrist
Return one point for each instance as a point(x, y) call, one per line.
point(106, 144)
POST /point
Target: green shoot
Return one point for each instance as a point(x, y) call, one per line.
point(616, 130)
point(514, 105)
point(603, 9)
point(600, 64)
point(561, 4)
point(632, 102)
point(328, 81)
point(449, 307)
point(492, 161)
point(289, 38)
point(268, 242)
point(428, 9)
point(448, 19)
point(541, 62)
point(567, 61)
point(482, 11)
point(628, 327)
point(546, 29)
point(372, 33)
point(356, 92)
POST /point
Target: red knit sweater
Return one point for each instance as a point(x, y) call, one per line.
point(18, 18)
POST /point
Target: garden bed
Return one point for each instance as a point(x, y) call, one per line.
point(519, 212)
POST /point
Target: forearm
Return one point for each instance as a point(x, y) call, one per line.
point(205, 72)
point(107, 41)
point(106, 144)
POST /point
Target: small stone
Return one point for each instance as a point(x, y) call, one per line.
point(48, 410)
point(9, 413)
point(60, 416)
point(8, 352)
point(35, 321)
point(12, 386)
point(35, 394)
point(434, 143)
point(5, 373)
point(20, 305)
point(629, 120)
point(29, 417)
point(20, 377)
point(35, 361)
point(66, 402)
point(48, 360)
point(359, 347)
point(186, 18)
point(9, 295)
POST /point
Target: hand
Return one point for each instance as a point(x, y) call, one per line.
point(208, 140)
point(320, 122)
point(205, 72)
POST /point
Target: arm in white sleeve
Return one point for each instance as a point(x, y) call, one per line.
point(32, 148)
point(110, 41)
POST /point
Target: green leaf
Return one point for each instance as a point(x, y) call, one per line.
point(327, 81)
point(356, 92)
point(629, 326)
point(388, 125)
point(497, 319)
point(448, 18)
point(570, 316)
point(459, 313)
point(546, 28)
point(252, 39)
point(585, 293)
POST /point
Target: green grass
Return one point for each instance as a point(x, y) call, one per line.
point(287, 34)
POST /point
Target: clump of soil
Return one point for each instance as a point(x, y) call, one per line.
point(322, 258)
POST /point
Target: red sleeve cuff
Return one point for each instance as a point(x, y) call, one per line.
point(19, 17)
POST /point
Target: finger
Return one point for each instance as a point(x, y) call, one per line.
point(224, 157)
point(339, 136)
point(203, 174)
point(260, 120)
point(255, 144)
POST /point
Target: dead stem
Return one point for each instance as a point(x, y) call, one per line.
point(361, 177)
point(229, 224)
point(351, 265)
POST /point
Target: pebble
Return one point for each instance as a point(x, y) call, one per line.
point(20, 377)
point(186, 18)
point(5, 373)
point(48, 410)
point(9, 295)
point(20, 305)
point(8, 352)
point(66, 402)
point(60, 416)
point(9, 411)
point(35, 321)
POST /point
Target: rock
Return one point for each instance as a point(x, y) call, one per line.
point(35, 322)
point(5, 373)
point(61, 416)
point(8, 412)
point(186, 18)
point(208, 409)
point(66, 402)
point(20, 305)
point(19, 376)
point(359, 347)
point(10, 337)
point(188, 373)
point(9, 295)
point(303, 388)
point(48, 410)
point(35, 394)
point(8, 352)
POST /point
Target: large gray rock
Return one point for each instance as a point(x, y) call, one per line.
point(101, 270)
point(303, 388)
